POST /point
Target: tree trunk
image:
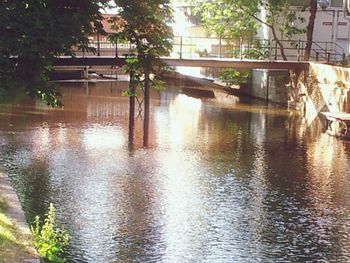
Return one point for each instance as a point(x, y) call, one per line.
point(279, 43)
point(310, 29)
point(131, 113)
point(275, 37)
point(147, 110)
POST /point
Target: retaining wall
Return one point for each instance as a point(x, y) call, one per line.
point(322, 88)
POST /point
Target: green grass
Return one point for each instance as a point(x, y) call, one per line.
point(13, 244)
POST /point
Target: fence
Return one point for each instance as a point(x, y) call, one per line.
point(206, 47)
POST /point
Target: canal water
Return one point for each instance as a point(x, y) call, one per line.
point(222, 179)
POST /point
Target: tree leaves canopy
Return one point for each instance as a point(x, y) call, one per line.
point(242, 18)
point(33, 32)
point(226, 18)
point(147, 26)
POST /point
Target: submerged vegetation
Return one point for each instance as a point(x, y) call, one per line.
point(49, 240)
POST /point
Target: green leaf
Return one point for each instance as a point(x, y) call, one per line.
point(49, 240)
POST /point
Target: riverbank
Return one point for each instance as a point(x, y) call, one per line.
point(15, 237)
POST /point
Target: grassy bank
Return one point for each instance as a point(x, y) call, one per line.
point(14, 245)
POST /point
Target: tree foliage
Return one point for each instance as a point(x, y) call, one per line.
point(146, 25)
point(33, 32)
point(237, 18)
point(225, 18)
point(234, 77)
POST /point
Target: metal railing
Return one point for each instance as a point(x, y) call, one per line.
point(242, 48)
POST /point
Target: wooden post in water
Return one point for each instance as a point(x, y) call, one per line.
point(86, 72)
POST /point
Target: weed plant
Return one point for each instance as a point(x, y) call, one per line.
point(49, 240)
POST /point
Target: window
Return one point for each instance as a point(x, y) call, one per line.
point(337, 3)
point(299, 2)
point(334, 3)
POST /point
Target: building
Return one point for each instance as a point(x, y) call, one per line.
point(330, 42)
point(331, 32)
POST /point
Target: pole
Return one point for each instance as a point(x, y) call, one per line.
point(249, 47)
point(337, 25)
point(181, 47)
point(86, 72)
point(333, 27)
point(267, 88)
point(346, 16)
point(276, 50)
point(98, 44)
point(240, 47)
point(116, 47)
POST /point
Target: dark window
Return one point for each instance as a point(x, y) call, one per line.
point(299, 2)
point(337, 3)
point(334, 3)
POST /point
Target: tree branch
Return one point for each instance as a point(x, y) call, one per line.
point(279, 43)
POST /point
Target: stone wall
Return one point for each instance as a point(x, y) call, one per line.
point(322, 88)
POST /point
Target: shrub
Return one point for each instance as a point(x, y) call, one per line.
point(234, 77)
point(49, 240)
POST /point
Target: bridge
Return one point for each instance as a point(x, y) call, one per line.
point(214, 53)
point(187, 62)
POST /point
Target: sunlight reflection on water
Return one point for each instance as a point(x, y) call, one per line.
point(220, 182)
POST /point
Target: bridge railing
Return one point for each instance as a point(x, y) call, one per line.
point(242, 48)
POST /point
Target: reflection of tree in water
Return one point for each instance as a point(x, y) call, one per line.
point(30, 178)
point(36, 180)
point(138, 234)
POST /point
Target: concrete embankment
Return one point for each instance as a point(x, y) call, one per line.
point(323, 88)
point(21, 253)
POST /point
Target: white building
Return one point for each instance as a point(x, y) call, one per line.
point(331, 30)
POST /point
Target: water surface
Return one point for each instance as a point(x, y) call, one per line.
point(222, 179)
